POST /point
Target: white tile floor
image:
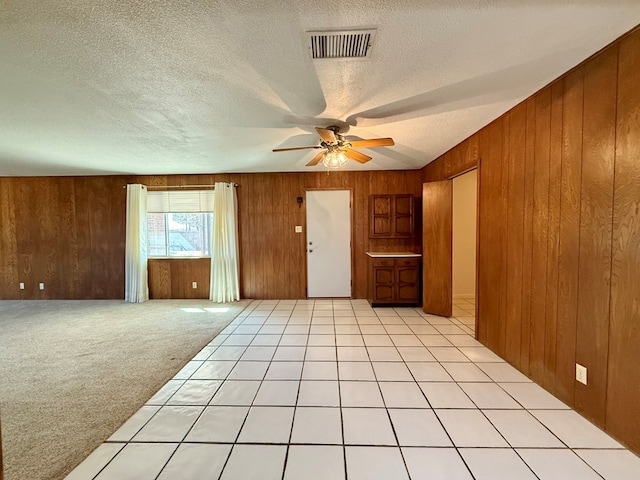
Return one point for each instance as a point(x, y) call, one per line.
point(336, 390)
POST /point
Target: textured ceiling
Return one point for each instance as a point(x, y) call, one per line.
point(157, 87)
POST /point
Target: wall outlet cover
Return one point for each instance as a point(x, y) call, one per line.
point(21, 286)
point(581, 373)
point(298, 228)
point(41, 286)
point(194, 284)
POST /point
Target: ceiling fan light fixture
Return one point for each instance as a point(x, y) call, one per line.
point(334, 158)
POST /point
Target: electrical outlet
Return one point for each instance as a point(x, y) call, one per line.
point(41, 286)
point(581, 373)
point(298, 228)
point(194, 284)
point(21, 286)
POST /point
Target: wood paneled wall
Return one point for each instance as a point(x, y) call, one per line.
point(69, 232)
point(65, 232)
point(559, 235)
point(173, 278)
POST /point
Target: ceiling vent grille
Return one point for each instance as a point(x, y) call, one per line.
point(341, 44)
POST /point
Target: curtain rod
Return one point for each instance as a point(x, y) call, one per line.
point(162, 187)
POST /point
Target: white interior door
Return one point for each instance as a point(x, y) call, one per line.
point(328, 243)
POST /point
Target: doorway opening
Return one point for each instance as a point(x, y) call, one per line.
point(464, 249)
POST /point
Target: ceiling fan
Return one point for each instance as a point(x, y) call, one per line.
point(337, 150)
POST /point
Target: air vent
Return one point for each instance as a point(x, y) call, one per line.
point(341, 44)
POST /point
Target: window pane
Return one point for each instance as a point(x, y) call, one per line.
point(157, 236)
point(188, 234)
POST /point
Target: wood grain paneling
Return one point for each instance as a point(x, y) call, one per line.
point(596, 210)
point(491, 200)
point(69, 231)
point(569, 236)
point(623, 381)
point(173, 277)
point(437, 220)
point(503, 229)
point(574, 193)
point(551, 303)
point(482, 255)
point(160, 278)
point(540, 231)
point(8, 247)
point(63, 232)
point(527, 246)
point(462, 158)
point(515, 232)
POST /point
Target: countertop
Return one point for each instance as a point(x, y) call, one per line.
point(393, 254)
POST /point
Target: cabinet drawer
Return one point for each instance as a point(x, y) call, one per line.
point(383, 262)
point(407, 262)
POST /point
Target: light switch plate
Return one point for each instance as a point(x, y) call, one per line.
point(21, 286)
point(194, 284)
point(41, 286)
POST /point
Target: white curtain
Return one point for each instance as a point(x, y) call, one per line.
point(135, 279)
point(225, 283)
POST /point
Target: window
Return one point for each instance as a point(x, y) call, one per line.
point(179, 234)
point(179, 224)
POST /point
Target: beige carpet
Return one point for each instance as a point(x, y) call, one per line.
point(71, 372)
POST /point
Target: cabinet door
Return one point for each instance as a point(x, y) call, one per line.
point(383, 284)
point(407, 284)
point(403, 216)
point(380, 216)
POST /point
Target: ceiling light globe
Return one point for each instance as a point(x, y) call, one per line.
point(334, 159)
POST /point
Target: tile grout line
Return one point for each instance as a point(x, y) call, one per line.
point(295, 406)
point(344, 446)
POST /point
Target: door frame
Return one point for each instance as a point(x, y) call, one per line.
point(477, 167)
point(455, 173)
point(306, 232)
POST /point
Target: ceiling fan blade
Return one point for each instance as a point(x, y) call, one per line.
point(326, 135)
point(316, 160)
point(374, 142)
point(295, 148)
point(357, 156)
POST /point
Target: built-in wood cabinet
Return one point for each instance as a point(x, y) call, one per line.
point(391, 216)
point(394, 280)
